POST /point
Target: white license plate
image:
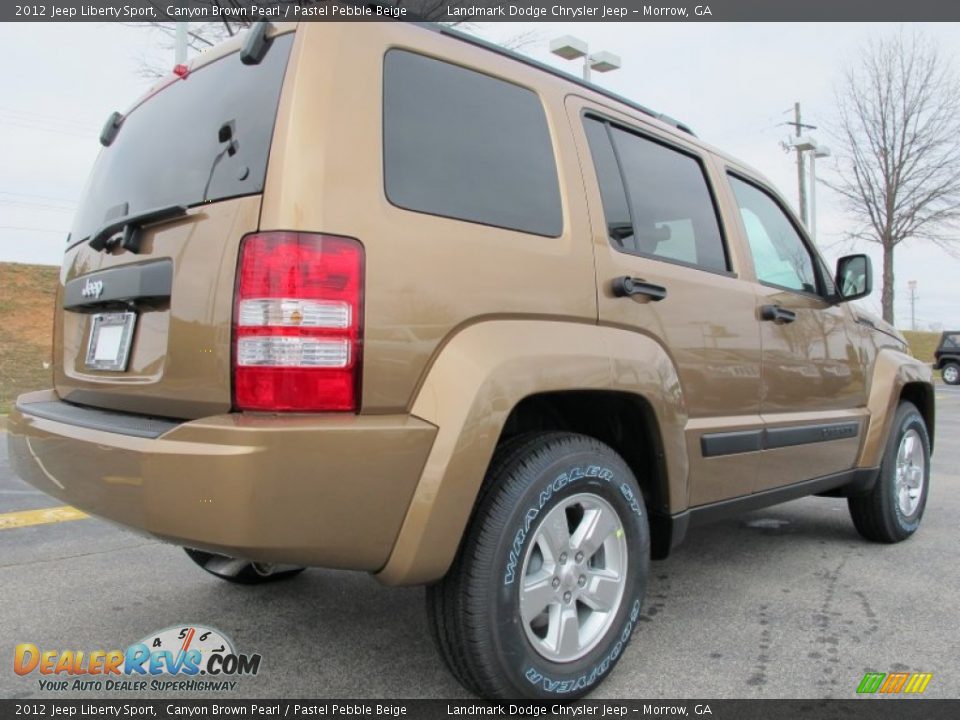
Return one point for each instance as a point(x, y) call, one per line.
point(110, 337)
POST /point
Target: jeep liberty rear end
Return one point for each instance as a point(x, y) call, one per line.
point(228, 480)
point(381, 297)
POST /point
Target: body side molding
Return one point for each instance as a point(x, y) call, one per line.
point(740, 441)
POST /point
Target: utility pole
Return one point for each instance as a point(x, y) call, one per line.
point(913, 305)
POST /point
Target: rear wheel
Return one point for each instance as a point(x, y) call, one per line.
point(951, 373)
point(242, 572)
point(546, 589)
point(892, 511)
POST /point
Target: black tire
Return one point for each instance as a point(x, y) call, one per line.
point(241, 572)
point(950, 373)
point(474, 612)
point(877, 515)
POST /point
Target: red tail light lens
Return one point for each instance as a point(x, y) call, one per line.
point(297, 326)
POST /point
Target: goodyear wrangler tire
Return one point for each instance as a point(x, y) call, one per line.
point(241, 572)
point(892, 511)
point(547, 586)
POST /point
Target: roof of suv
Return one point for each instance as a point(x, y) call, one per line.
point(473, 40)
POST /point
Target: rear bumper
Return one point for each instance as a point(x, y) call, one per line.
point(329, 491)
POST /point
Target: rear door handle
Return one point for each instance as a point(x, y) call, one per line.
point(777, 314)
point(627, 287)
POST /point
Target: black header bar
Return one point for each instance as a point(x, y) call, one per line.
point(914, 708)
point(481, 10)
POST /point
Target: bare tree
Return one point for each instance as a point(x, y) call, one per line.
point(899, 157)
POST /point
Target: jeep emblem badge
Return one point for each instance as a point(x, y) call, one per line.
point(92, 289)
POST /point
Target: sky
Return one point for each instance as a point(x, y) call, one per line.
point(734, 83)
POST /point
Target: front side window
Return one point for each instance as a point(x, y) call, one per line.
point(779, 254)
point(465, 145)
point(655, 199)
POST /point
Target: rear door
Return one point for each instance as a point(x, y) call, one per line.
point(145, 325)
point(657, 222)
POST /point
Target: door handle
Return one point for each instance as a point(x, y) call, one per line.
point(777, 314)
point(627, 287)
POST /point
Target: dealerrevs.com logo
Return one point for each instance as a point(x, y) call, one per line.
point(179, 658)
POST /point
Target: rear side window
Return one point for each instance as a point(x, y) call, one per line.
point(468, 146)
point(656, 200)
point(951, 342)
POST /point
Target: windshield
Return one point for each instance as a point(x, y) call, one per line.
point(206, 137)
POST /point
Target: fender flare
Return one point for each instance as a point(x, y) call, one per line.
point(893, 370)
point(474, 383)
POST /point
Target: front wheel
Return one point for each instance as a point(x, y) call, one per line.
point(951, 373)
point(242, 572)
point(546, 589)
point(892, 511)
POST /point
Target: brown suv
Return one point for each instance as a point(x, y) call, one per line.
point(382, 297)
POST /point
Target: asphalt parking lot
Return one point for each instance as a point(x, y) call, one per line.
point(781, 603)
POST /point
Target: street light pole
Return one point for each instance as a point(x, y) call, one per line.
point(804, 144)
point(819, 152)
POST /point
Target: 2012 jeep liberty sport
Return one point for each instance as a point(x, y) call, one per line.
point(381, 297)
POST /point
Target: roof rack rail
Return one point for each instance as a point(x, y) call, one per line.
point(473, 40)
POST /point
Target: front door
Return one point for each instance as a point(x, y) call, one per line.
point(813, 392)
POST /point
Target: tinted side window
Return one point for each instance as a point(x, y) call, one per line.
point(779, 253)
point(464, 145)
point(616, 210)
point(670, 207)
point(951, 342)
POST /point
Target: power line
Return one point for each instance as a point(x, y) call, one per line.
point(30, 115)
point(65, 201)
point(32, 229)
point(57, 131)
point(45, 122)
point(47, 203)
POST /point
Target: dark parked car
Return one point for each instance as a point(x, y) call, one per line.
point(947, 357)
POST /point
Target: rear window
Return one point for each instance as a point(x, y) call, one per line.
point(468, 146)
point(168, 150)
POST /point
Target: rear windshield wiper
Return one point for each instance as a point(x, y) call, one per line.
point(131, 224)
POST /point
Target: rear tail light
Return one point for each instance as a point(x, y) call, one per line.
point(297, 323)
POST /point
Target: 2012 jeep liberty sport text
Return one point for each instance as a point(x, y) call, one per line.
point(389, 299)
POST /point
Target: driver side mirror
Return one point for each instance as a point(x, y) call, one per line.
point(854, 277)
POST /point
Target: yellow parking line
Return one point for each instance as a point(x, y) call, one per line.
point(26, 518)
